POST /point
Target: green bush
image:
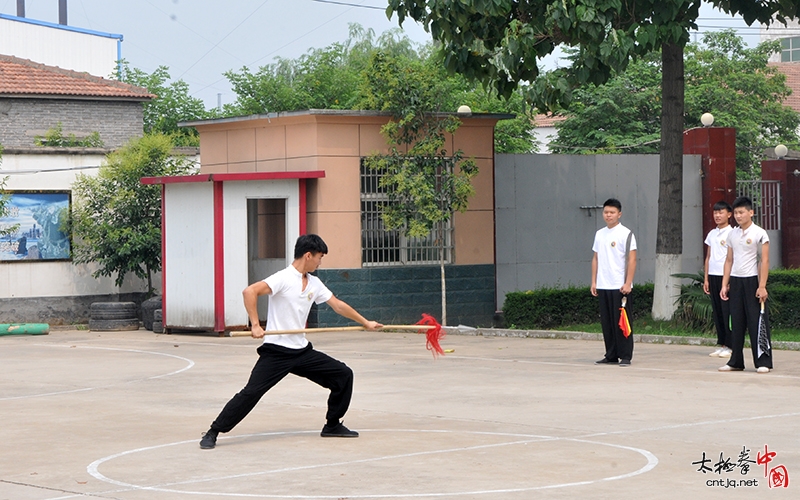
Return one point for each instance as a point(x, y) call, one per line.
point(553, 307)
point(788, 277)
point(788, 314)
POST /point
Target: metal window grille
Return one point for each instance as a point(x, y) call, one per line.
point(381, 247)
point(766, 197)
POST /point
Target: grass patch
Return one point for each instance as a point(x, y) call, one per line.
point(649, 326)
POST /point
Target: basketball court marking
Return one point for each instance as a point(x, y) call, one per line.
point(189, 365)
point(93, 468)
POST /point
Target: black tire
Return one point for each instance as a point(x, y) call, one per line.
point(113, 325)
point(158, 327)
point(158, 315)
point(148, 307)
point(113, 310)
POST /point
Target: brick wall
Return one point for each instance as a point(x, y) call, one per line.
point(22, 119)
point(399, 295)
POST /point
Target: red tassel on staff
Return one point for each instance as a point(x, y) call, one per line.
point(432, 335)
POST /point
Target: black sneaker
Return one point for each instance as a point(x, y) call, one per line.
point(337, 431)
point(605, 361)
point(209, 440)
point(624, 362)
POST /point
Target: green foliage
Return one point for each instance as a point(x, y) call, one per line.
point(55, 138)
point(116, 220)
point(552, 307)
point(500, 42)
point(723, 77)
point(694, 305)
point(787, 277)
point(425, 183)
point(172, 104)
point(335, 77)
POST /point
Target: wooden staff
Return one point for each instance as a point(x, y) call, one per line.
point(246, 333)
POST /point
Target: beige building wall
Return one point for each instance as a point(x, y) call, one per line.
point(335, 142)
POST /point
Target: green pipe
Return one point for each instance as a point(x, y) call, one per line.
point(24, 328)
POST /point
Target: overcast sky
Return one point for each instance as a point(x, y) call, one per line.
point(198, 40)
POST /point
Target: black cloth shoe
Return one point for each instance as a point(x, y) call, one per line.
point(605, 361)
point(337, 431)
point(209, 440)
point(624, 362)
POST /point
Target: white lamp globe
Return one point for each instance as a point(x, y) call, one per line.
point(781, 151)
point(464, 110)
point(707, 119)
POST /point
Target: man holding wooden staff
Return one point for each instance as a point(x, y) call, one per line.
point(292, 292)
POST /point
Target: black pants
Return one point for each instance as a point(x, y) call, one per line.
point(274, 363)
point(720, 311)
point(617, 346)
point(745, 309)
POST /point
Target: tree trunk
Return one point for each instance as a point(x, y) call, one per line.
point(669, 236)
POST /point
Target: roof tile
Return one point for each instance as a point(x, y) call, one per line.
point(22, 77)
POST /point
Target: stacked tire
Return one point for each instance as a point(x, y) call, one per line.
point(158, 325)
point(113, 316)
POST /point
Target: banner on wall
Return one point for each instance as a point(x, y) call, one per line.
point(40, 222)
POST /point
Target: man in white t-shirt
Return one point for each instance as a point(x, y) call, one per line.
point(613, 267)
point(717, 243)
point(744, 285)
point(292, 292)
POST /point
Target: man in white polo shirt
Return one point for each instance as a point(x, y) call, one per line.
point(292, 292)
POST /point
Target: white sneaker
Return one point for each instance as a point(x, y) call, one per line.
point(716, 353)
point(762, 369)
point(725, 353)
point(729, 368)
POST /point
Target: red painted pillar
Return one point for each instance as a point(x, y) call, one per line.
point(717, 145)
point(784, 171)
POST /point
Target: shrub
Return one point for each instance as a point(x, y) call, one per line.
point(553, 307)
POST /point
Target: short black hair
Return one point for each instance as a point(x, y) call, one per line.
point(743, 201)
point(723, 205)
point(613, 202)
point(309, 243)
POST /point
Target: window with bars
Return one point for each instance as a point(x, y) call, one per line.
point(790, 49)
point(382, 247)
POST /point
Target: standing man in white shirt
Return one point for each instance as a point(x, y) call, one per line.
point(744, 284)
point(613, 267)
point(292, 292)
point(717, 252)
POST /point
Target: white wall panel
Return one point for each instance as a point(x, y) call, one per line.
point(189, 260)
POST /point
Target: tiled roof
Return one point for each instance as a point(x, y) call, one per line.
point(792, 72)
point(548, 120)
point(25, 78)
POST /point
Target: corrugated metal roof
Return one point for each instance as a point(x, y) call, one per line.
point(25, 78)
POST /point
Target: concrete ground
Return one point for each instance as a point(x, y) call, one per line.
point(119, 416)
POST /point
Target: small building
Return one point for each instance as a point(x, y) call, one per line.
point(35, 98)
point(266, 179)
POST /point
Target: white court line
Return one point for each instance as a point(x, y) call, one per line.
point(189, 365)
point(92, 469)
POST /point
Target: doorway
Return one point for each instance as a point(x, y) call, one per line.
point(266, 242)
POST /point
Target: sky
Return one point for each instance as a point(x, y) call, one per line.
point(199, 40)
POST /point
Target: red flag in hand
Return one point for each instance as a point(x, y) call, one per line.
point(624, 324)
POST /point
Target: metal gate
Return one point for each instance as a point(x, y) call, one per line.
point(766, 197)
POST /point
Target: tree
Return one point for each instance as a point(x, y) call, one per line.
point(334, 77)
point(723, 77)
point(426, 183)
point(500, 42)
point(116, 220)
point(172, 104)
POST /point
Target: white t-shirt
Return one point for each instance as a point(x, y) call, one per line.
point(609, 244)
point(289, 305)
point(746, 246)
point(717, 241)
